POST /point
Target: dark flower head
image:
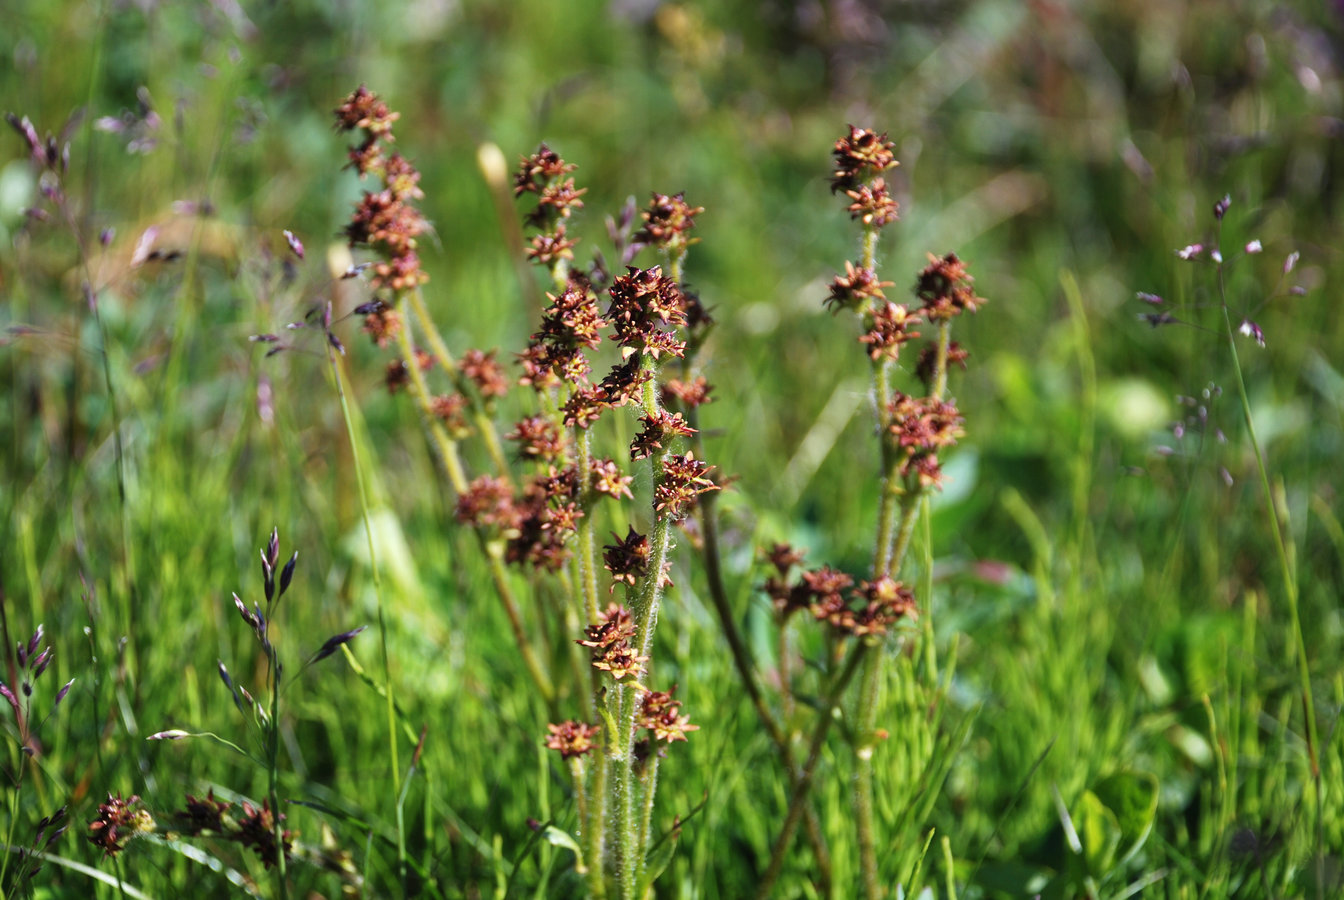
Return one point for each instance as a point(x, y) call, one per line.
point(856, 289)
point(946, 289)
point(363, 109)
point(119, 821)
point(203, 814)
point(919, 428)
point(888, 328)
point(663, 427)
point(539, 438)
point(538, 170)
point(859, 157)
point(549, 247)
point(627, 559)
point(873, 204)
point(683, 479)
point(256, 829)
point(620, 660)
point(571, 738)
point(658, 713)
point(668, 222)
point(615, 624)
point(643, 301)
point(485, 372)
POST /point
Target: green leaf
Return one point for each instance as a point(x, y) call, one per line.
point(1100, 833)
point(559, 838)
point(1132, 797)
point(657, 861)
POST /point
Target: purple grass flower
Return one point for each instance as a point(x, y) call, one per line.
point(334, 643)
point(287, 574)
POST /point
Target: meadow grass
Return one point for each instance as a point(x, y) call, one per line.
point(1118, 685)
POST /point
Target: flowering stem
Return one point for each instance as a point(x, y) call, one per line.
point(585, 555)
point(1289, 578)
point(452, 462)
point(644, 613)
point(893, 496)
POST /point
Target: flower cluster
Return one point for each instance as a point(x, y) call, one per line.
point(572, 739)
point(546, 175)
point(33, 659)
point(857, 289)
point(861, 157)
point(385, 220)
point(644, 302)
point(667, 224)
point(609, 638)
point(919, 427)
point(830, 596)
point(684, 478)
point(628, 558)
point(658, 713)
point(537, 521)
point(119, 821)
point(946, 289)
point(571, 325)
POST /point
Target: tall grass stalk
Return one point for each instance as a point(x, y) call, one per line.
point(394, 765)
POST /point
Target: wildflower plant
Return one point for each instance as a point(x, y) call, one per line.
point(258, 827)
point(540, 511)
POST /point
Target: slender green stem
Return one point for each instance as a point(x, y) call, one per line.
point(863, 787)
point(585, 555)
point(798, 800)
point(649, 786)
point(360, 480)
point(273, 772)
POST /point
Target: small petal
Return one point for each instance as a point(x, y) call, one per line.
point(1254, 246)
point(1290, 262)
point(1154, 299)
point(172, 734)
point(287, 573)
point(295, 244)
point(1252, 330)
point(144, 246)
point(1220, 208)
point(1191, 251)
point(1217, 256)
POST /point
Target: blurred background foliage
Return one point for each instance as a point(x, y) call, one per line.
point(1110, 586)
